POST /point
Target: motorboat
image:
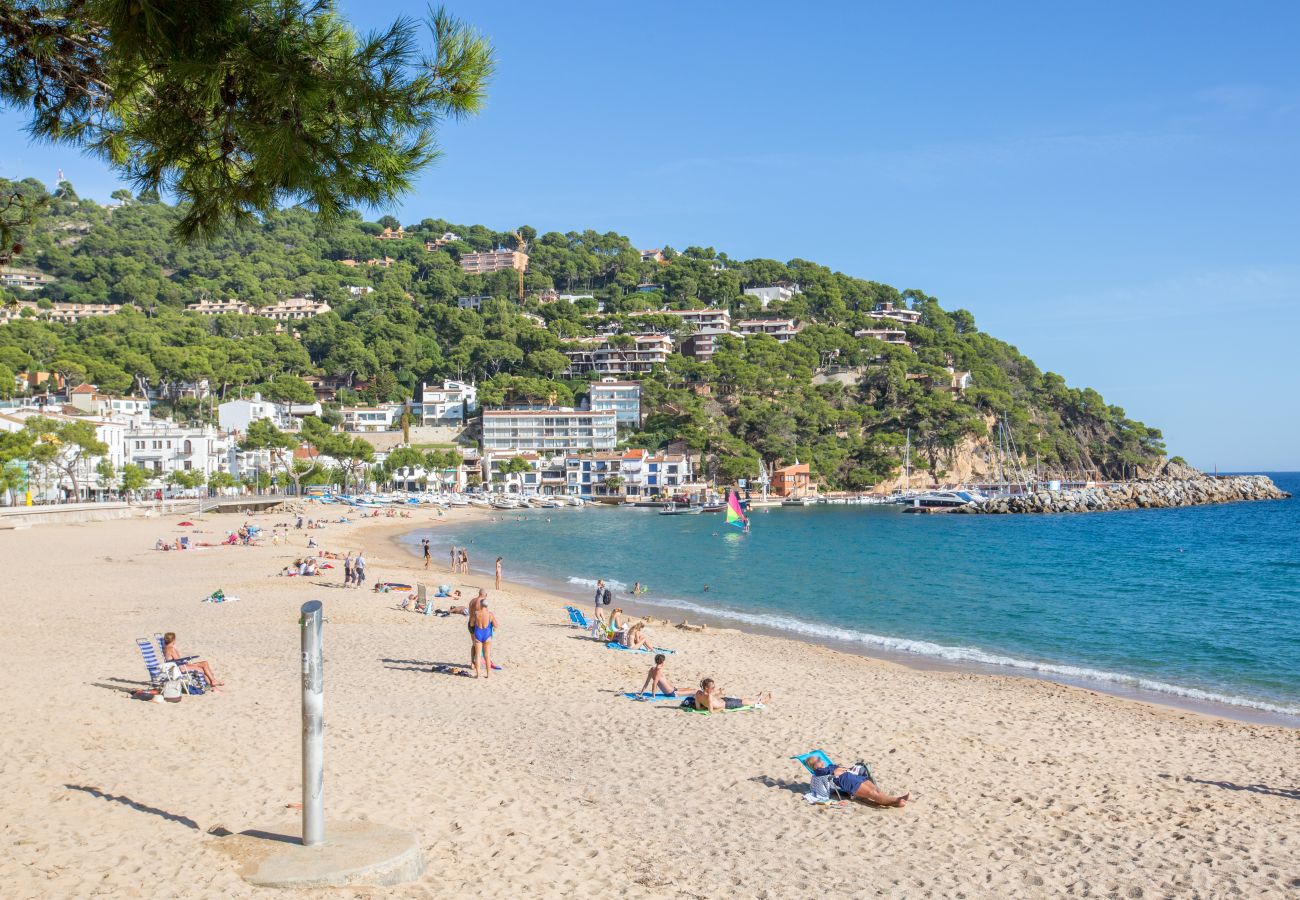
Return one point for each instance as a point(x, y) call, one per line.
point(940, 501)
point(677, 509)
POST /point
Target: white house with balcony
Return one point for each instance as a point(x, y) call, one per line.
point(371, 418)
point(623, 397)
point(773, 293)
point(447, 404)
point(161, 447)
point(236, 415)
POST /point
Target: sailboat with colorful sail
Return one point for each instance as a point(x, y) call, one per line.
point(735, 515)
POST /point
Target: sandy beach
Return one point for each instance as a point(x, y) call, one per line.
point(543, 781)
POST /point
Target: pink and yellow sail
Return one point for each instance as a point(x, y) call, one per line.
point(735, 515)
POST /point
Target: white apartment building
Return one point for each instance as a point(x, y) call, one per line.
point(634, 474)
point(235, 415)
point(549, 431)
point(886, 310)
point(773, 292)
point(885, 335)
point(449, 404)
point(24, 279)
point(622, 397)
point(781, 329)
point(371, 418)
point(702, 319)
point(161, 447)
point(51, 484)
point(603, 356)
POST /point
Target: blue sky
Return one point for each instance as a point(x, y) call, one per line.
point(1112, 189)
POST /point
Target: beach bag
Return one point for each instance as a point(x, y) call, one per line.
point(173, 679)
point(607, 597)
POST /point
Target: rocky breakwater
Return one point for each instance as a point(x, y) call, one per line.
point(1156, 493)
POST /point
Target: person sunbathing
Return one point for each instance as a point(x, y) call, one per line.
point(709, 698)
point(656, 682)
point(171, 654)
point(859, 787)
point(633, 639)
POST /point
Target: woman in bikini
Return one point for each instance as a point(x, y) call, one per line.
point(171, 654)
point(633, 639)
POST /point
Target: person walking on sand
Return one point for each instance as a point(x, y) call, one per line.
point(359, 565)
point(349, 573)
point(455, 560)
point(596, 617)
point(482, 626)
point(428, 556)
point(475, 602)
point(464, 561)
point(498, 573)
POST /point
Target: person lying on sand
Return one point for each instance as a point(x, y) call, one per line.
point(859, 787)
point(709, 698)
point(171, 654)
point(656, 682)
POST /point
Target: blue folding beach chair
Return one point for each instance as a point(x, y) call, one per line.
point(191, 682)
point(577, 618)
point(823, 788)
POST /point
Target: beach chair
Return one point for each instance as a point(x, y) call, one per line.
point(194, 681)
point(191, 682)
point(823, 788)
point(577, 618)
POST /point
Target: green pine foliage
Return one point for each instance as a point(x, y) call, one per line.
point(841, 403)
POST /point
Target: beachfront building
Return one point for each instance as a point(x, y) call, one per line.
point(885, 335)
point(623, 397)
point(493, 261)
point(549, 431)
point(523, 481)
point(781, 329)
point(161, 447)
point(886, 310)
point(52, 483)
point(235, 415)
point(792, 481)
point(86, 398)
point(614, 356)
point(448, 404)
point(782, 291)
point(629, 475)
point(371, 418)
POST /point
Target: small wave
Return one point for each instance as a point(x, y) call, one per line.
point(965, 654)
point(591, 583)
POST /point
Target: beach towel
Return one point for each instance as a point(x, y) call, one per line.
point(631, 696)
point(615, 645)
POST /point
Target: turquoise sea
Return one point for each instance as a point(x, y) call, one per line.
point(1198, 605)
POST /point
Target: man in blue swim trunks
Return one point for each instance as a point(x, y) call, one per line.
point(482, 625)
point(859, 787)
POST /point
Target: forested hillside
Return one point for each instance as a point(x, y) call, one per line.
point(756, 398)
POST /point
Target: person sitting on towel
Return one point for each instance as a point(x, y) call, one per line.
point(633, 639)
point(859, 787)
point(709, 698)
point(656, 681)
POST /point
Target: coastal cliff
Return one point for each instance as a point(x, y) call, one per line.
point(1156, 493)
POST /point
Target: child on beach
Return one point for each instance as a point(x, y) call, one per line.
point(656, 682)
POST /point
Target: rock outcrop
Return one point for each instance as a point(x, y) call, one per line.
point(1156, 493)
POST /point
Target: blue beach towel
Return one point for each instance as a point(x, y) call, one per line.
point(631, 696)
point(615, 645)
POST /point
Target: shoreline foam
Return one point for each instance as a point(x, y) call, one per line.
point(928, 655)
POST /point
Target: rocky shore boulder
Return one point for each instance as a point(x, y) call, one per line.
point(1155, 493)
